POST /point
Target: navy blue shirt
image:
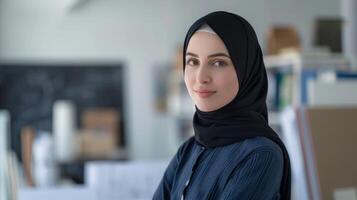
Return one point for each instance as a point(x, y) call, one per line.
point(251, 169)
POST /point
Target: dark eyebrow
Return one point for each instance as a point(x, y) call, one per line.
point(218, 54)
point(210, 56)
point(191, 54)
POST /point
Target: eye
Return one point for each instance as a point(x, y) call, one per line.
point(219, 63)
point(192, 62)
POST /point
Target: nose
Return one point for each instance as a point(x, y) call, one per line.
point(203, 75)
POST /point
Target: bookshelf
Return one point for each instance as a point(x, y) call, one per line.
point(289, 75)
point(298, 68)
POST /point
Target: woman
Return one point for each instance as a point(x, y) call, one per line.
point(234, 154)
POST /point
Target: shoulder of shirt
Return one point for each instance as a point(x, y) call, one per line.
point(253, 144)
point(249, 146)
point(189, 142)
point(261, 144)
point(186, 145)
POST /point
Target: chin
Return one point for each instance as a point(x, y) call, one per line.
point(206, 108)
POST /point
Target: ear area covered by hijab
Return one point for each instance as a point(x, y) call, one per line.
point(246, 115)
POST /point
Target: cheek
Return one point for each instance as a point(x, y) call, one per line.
point(228, 83)
point(189, 79)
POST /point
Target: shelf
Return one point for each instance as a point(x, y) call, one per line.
point(298, 61)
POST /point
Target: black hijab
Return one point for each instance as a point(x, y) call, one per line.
point(246, 115)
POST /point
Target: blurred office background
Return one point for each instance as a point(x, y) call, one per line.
point(93, 104)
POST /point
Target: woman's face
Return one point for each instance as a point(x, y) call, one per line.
point(210, 76)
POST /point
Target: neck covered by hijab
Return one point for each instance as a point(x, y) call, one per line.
point(246, 115)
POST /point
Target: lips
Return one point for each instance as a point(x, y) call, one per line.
point(204, 93)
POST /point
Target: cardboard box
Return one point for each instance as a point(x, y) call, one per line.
point(282, 37)
point(100, 134)
point(330, 136)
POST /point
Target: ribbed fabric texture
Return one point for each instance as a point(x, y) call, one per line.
point(251, 169)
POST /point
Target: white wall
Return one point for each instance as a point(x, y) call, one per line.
point(141, 34)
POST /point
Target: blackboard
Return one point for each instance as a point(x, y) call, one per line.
point(28, 92)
